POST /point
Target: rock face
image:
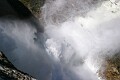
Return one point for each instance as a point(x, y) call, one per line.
point(111, 68)
point(15, 10)
point(9, 72)
point(34, 6)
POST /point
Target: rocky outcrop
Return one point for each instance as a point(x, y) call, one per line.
point(34, 6)
point(9, 72)
point(110, 69)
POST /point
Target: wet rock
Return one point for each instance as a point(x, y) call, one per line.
point(9, 72)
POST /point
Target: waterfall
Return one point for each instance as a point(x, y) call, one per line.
point(80, 34)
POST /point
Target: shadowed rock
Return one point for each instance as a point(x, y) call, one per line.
point(9, 72)
point(15, 10)
point(34, 6)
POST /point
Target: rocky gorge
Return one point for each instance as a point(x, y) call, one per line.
point(30, 12)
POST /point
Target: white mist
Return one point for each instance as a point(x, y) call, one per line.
point(82, 39)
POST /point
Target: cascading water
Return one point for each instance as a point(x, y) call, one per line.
point(78, 35)
point(81, 33)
